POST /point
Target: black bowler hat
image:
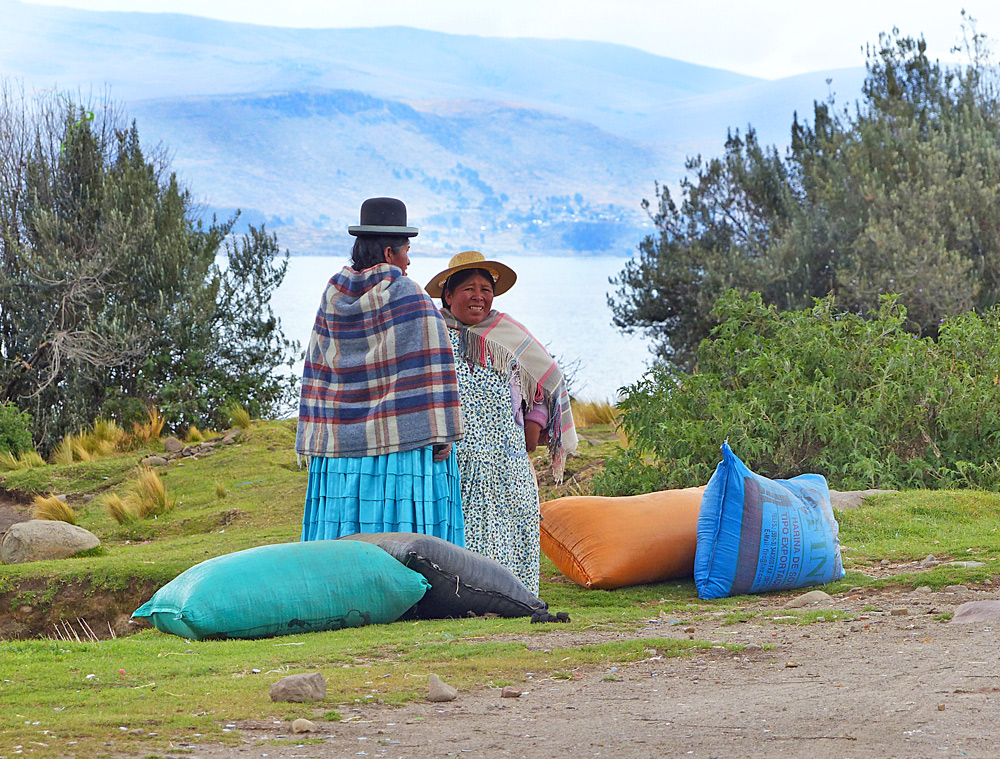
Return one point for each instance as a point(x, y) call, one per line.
point(383, 216)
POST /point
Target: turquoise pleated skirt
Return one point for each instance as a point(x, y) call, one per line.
point(398, 492)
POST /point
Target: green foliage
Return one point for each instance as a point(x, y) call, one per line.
point(15, 426)
point(858, 399)
point(111, 298)
point(896, 194)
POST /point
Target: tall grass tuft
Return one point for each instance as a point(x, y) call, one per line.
point(107, 431)
point(63, 453)
point(150, 494)
point(590, 413)
point(238, 416)
point(151, 429)
point(52, 508)
point(220, 490)
point(120, 511)
point(78, 444)
point(26, 460)
point(194, 435)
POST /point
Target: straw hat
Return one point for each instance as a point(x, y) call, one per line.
point(503, 276)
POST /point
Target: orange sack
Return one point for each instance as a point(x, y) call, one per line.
point(613, 542)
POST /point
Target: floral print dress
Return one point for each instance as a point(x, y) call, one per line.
point(499, 493)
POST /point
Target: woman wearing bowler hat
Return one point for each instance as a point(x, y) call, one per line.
point(379, 408)
point(513, 397)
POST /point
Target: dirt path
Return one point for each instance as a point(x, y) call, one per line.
point(896, 682)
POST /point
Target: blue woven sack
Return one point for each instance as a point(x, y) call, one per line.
point(756, 535)
point(285, 589)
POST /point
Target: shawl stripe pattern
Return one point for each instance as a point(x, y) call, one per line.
point(379, 374)
point(505, 345)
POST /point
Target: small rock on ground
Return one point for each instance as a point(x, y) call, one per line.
point(509, 691)
point(973, 612)
point(438, 690)
point(812, 598)
point(299, 688)
point(303, 726)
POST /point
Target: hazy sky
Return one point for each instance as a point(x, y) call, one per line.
point(766, 38)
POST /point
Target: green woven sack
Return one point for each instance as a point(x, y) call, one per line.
point(285, 589)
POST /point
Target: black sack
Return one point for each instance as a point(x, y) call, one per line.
point(462, 582)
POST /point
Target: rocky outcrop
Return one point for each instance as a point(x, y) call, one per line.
point(174, 449)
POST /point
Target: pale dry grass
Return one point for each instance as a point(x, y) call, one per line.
point(194, 435)
point(239, 416)
point(591, 413)
point(26, 460)
point(150, 430)
point(149, 494)
point(120, 511)
point(103, 439)
point(220, 490)
point(52, 508)
point(78, 445)
point(107, 431)
point(63, 453)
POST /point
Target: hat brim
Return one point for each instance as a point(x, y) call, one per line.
point(503, 277)
point(369, 229)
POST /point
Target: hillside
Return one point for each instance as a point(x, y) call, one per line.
point(545, 146)
point(636, 664)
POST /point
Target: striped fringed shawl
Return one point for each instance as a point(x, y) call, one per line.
point(503, 344)
point(380, 374)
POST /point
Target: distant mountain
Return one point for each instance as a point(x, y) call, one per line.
point(544, 146)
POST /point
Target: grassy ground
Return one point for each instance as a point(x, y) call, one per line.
point(148, 693)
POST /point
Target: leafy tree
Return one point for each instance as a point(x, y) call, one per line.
point(110, 294)
point(898, 193)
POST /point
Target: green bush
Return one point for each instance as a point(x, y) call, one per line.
point(856, 398)
point(14, 425)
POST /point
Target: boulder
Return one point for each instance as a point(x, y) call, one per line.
point(299, 688)
point(40, 539)
point(173, 445)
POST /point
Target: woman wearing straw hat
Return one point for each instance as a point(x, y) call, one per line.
point(513, 397)
point(379, 409)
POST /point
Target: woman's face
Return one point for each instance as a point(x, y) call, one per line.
point(472, 300)
point(400, 258)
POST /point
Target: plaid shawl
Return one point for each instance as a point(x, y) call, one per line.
point(503, 344)
point(379, 375)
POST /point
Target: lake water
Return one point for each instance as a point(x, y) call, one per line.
point(562, 301)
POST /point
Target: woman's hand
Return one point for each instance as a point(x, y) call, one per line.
point(533, 435)
point(442, 451)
